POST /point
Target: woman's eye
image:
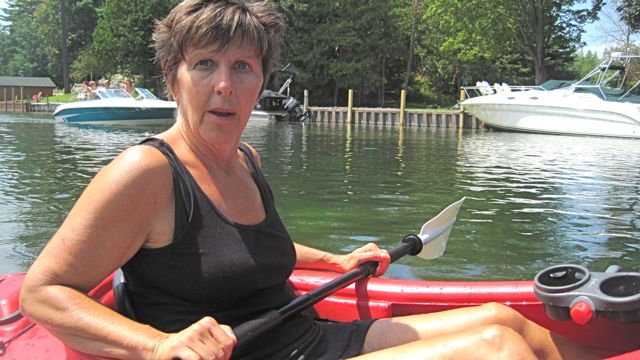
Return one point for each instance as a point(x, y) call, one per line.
point(241, 65)
point(204, 64)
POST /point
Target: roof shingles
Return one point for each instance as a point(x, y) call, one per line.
point(17, 81)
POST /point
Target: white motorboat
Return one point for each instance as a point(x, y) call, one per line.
point(118, 107)
point(598, 104)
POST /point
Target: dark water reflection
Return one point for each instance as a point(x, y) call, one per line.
point(532, 200)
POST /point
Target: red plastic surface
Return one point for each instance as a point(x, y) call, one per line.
point(370, 298)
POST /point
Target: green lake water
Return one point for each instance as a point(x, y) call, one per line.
point(532, 200)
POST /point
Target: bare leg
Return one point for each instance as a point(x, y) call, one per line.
point(493, 342)
point(388, 333)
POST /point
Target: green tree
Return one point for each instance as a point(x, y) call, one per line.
point(33, 28)
point(47, 31)
point(308, 49)
point(122, 38)
point(4, 45)
point(462, 42)
point(25, 55)
point(64, 45)
point(417, 10)
point(630, 13)
point(585, 63)
point(336, 46)
point(82, 22)
point(548, 31)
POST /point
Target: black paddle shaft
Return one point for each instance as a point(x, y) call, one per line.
point(251, 329)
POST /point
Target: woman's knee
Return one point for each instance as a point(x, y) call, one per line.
point(504, 315)
point(504, 342)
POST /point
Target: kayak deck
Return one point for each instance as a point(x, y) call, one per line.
point(369, 298)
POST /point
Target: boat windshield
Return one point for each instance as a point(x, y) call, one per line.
point(613, 79)
point(145, 94)
point(112, 93)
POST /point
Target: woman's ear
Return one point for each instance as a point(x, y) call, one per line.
point(262, 89)
point(174, 94)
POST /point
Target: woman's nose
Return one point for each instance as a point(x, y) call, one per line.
point(224, 84)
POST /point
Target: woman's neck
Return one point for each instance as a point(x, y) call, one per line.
point(221, 156)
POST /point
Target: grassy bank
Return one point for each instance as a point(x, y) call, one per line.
point(60, 97)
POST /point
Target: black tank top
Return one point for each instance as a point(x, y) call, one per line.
point(215, 267)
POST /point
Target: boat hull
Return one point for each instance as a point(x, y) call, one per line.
point(259, 115)
point(367, 299)
point(127, 112)
point(552, 113)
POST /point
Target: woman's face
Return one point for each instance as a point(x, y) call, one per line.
point(217, 90)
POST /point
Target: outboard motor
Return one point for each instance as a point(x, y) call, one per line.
point(294, 109)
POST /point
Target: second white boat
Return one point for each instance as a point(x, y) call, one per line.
point(585, 107)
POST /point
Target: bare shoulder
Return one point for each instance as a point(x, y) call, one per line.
point(137, 165)
point(139, 160)
point(255, 154)
point(140, 174)
point(138, 182)
point(118, 212)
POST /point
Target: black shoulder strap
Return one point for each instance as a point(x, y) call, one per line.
point(258, 177)
point(251, 160)
point(181, 184)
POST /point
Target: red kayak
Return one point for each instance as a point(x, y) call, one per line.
point(613, 336)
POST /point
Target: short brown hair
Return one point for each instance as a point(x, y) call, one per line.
point(196, 23)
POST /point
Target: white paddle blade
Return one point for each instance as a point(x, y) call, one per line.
point(435, 232)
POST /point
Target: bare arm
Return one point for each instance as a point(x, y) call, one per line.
point(111, 220)
point(310, 258)
point(126, 206)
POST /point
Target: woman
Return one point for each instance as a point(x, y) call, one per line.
point(191, 220)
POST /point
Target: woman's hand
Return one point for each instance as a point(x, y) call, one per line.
point(204, 340)
point(369, 252)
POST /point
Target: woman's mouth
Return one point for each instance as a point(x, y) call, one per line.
point(223, 113)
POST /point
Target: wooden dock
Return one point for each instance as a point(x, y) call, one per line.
point(43, 107)
point(13, 106)
point(25, 106)
point(391, 117)
point(427, 118)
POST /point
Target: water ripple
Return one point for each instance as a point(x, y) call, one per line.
point(532, 200)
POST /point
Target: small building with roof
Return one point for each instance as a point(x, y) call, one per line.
point(19, 87)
